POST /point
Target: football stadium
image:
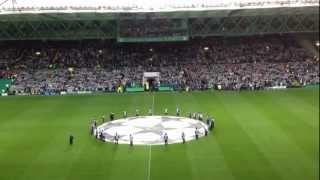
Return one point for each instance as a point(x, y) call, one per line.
point(157, 90)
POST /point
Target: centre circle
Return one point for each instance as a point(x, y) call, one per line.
point(150, 130)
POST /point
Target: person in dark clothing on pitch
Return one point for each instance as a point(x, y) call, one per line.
point(212, 124)
point(116, 138)
point(97, 134)
point(111, 116)
point(131, 140)
point(196, 133)
point(205, 132)
point(208, 120)
point(71, 138)
point(183, 136)
point(92, 128)
point(165, 137)
point(101, 136)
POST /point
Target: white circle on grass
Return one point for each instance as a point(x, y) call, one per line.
point(150, 130)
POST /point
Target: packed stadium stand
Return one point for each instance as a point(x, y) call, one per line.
point(230, 45)
point(224, 63)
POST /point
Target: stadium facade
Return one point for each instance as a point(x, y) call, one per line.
point(181, 23)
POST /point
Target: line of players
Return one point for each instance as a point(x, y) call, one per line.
point(199, 116)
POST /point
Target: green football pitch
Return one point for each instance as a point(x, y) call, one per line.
point(270, 135)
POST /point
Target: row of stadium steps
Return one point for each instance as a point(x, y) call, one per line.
point(5, 85)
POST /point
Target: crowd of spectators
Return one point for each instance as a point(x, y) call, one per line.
point(220, 63)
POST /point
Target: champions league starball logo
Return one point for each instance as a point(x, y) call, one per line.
point(152, 130)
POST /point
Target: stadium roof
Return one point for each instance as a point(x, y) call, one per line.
point(245, 17)
point(180, 14)
point(45, 6)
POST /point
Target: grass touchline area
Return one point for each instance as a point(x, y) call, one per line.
point(259, 135)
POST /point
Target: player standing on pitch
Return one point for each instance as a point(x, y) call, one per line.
point(116, 138)
point(183, 138)
point(165, 137)
point(111, 116)
point(97, 133)
point(200, 116)
point(166, 111)
point(101, 135)
point(131, 140)
point(71, 137)
point(212, 123)
point(178, 111)
point(92, 127)
point(194, 115)
point(196, 133)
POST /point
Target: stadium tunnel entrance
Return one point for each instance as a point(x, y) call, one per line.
point(151, 80)
point(152, 84)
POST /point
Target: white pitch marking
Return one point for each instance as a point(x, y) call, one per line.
point(173, 127)
point(152, 103)
point(149, 163)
